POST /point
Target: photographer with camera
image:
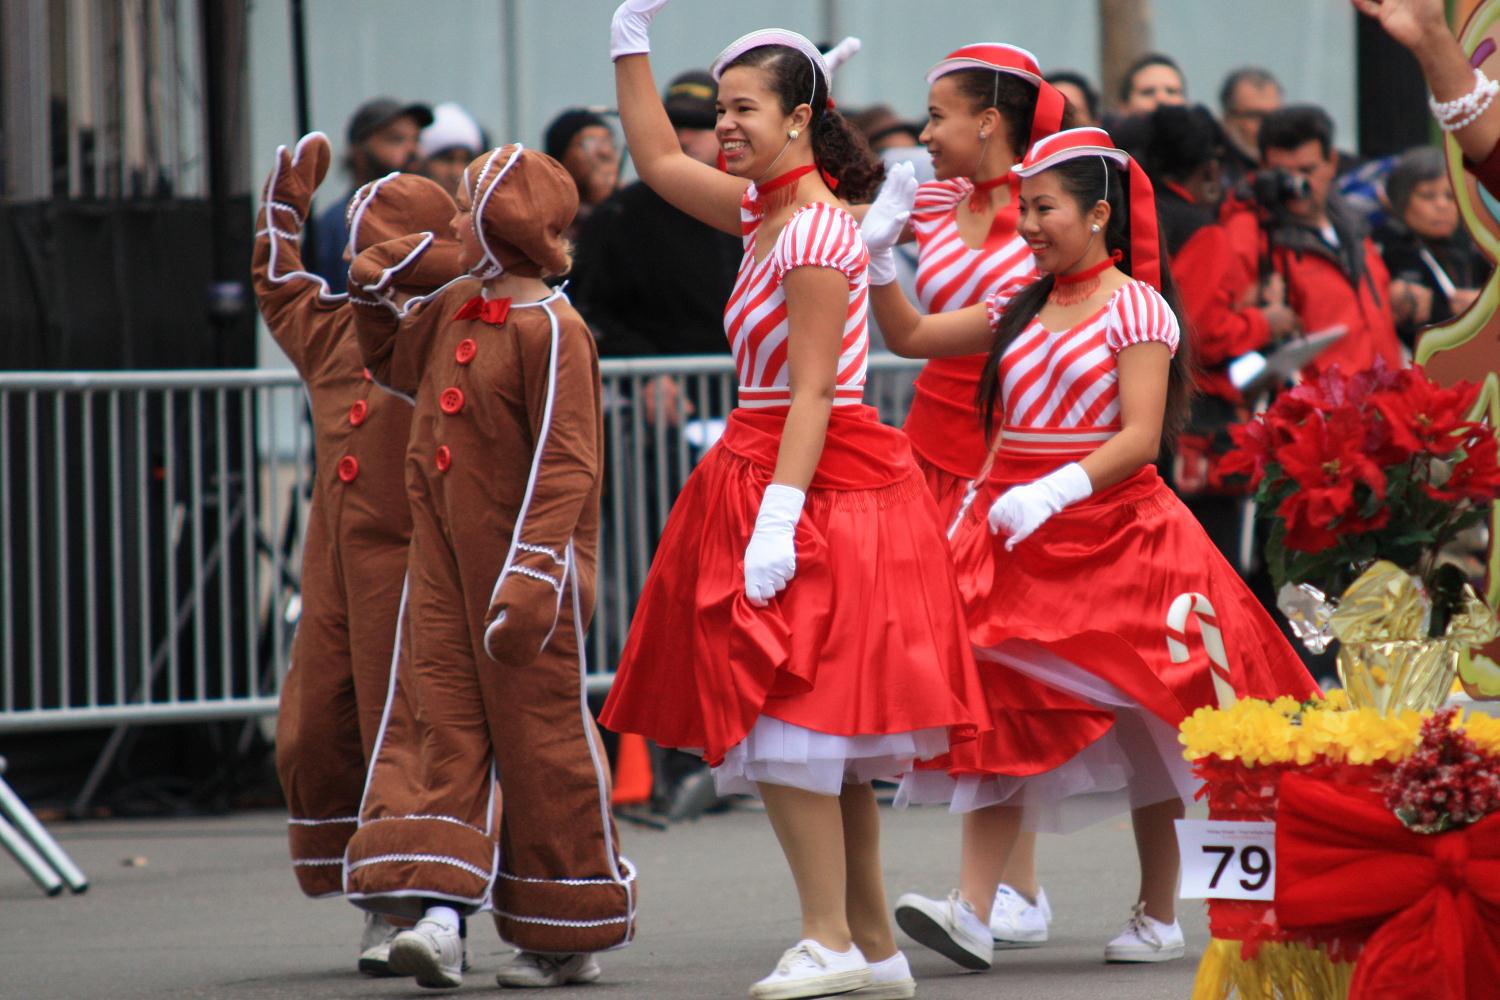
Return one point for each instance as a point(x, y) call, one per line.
point(1289, 222)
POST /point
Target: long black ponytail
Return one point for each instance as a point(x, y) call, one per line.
point(1084, 179)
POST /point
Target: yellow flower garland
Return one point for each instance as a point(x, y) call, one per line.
point(1284, 731)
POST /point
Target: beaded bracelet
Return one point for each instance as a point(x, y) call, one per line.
point(1460, 112)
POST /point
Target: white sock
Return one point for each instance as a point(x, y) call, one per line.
point(890, 970)
point(445, 915)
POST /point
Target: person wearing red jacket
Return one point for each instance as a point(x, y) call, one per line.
point(1333, 271)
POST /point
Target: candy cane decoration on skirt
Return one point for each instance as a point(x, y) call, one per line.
point(1213, 641)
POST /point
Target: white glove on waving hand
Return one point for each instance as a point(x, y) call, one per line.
point(886, 220)
point(1022, 509)
point(629, 31)
point(771, 556)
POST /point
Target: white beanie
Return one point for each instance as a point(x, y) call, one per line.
point(451, 126)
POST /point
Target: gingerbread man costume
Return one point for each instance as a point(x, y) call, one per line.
point(354, 553)
point(503, 471)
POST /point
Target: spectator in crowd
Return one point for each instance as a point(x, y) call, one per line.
point(450, 144)
point(635, 240)
point(1321, 248)
point(883, 129)
point(1151, 80)
point(1081, 94)
point(1436, 270)
point(1228, 314)
point(381, 137)
point(582, 142)
point(1247, 95)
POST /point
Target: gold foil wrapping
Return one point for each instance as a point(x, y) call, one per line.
point(1386, 660)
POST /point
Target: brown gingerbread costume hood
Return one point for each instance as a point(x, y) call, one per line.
point(523, 202)
point(396, 205)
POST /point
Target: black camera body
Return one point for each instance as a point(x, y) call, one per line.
point(1271, 188)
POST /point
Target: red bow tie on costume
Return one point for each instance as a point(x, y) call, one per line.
point(491, 311)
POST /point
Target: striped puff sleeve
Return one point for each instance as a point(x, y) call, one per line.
point(994, 306)
point(820, 235)
point(1139, 315)
point(935, 199)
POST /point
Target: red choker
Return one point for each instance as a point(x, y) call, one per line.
point(1071, 289)
point(979, 198)
point(779, 191)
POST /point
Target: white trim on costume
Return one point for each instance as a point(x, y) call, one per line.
point(436, 859)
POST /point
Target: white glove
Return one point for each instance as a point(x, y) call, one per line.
point(841, 53)
point(628, 32)
point(886, 220)
point(771, 556)
point(1022, 509)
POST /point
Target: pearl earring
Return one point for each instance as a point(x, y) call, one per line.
point(792, 134)
point(1094, 228)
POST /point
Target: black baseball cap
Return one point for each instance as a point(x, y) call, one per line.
point(375, 114)
point(690, 100)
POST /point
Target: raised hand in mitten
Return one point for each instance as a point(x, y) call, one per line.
point(289, 189)
point(386, 266)
point(886, 220)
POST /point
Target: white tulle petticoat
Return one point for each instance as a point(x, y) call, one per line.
point(781, 753)
point(1137, 763)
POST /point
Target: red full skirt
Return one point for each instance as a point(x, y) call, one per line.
point(867, 639)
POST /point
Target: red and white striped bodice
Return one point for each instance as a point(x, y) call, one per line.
point(1061, 388)
point(755, 318)
point(951, 274)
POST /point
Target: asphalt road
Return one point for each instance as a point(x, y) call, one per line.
point(207, 908)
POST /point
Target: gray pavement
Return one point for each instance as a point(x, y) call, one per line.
point(213, 912)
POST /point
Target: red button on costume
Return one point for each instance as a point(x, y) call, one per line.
point(465, 351)
point(443, 459)
point(451, 401)
point(358, 412)
point(348, 468)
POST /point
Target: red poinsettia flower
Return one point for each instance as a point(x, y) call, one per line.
point(1477, 476)
point(1327, 460)
point(1424, 417)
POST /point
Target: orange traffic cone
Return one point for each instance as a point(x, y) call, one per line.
point(632, 771)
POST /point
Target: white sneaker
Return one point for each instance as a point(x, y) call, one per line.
point(1145, 939)
point(538, 969)
point(431, 952)
point(1016, 922)
point(375, 945)
point(889, 980)
point(807, 969)
point(949, 927)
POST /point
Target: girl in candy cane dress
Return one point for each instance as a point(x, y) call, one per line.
point(1079, 568)
point(800, 626)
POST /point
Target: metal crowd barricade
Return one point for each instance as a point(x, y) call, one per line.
point(151, 525)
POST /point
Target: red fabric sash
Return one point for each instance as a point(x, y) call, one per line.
point(1346, 864)
point(859, 453)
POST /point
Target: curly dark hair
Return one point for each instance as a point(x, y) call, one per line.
point(1084, 179)
point(838, 147)
point(1010, 95)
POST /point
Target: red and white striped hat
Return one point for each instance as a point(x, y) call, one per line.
point(998, 57)
point(1075, 143)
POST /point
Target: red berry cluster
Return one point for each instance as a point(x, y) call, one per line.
point(1447, 782)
